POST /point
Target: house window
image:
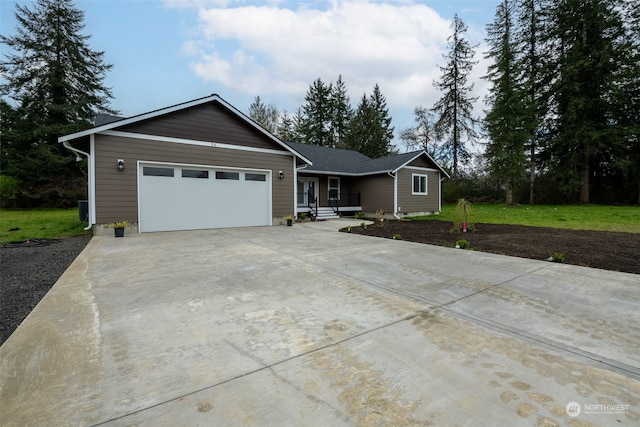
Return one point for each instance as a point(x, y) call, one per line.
point(191, 173)
point(228, 175)
point(255, 177)
point(334, 188)
point(419, 184)
point(150, 171)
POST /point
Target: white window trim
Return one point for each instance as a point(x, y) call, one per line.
point(426, 184)
point(329, 188)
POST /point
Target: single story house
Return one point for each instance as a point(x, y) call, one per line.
point(204, 164)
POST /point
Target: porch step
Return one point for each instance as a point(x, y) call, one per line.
point(326, 213)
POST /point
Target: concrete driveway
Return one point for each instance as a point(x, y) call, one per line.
point(294, 326)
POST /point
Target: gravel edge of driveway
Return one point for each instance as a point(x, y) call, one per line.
point(28, 270)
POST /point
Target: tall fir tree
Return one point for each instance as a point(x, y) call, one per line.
point(317, 110)
point(358, 135)
point(505, 121)
point(56, 82)
point(382, 131)
point(631, 90)
point(530, 57)
point(370, 131)
point(454, 109)
point(266, 115)
point(341, 113)
point(588, 139)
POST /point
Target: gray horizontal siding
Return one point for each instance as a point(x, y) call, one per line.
point(206, 122)
point(418, 203)
point(117, 193)
point(376, 193)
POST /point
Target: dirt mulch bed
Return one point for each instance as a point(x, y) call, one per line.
point(598, 249)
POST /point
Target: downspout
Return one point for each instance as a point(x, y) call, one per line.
point(395, 194)
point(440, 195)
point(89, 174)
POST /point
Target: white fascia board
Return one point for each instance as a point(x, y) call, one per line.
point(148, 137)
point(418, 155)
point(417, 168)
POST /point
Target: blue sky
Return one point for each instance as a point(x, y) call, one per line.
point(169, 51)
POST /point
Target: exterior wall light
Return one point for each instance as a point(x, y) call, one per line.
point(280, 174)
point(120, 164)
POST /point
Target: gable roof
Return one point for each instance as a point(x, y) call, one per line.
point(327, 160)
point(112, 122)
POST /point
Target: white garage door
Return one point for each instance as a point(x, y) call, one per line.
point(178, 197)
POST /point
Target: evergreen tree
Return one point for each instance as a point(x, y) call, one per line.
point(505, 120)
point(370, 131)
point(358, 135)
point(589, 139)
point(289, 127)
point(316, 127)
point(530, 59)
point(341, 113)
point(266, 116)
point(56, 81)
point(631, 89)
point(454, 109)
point(382, 131)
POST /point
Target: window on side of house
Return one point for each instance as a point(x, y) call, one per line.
point(419, 184)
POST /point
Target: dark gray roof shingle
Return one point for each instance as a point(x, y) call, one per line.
point(105, 119)
point(348, 161)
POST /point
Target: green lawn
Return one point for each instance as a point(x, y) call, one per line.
point(577, 217)
point(39, 224)
point(55, 223)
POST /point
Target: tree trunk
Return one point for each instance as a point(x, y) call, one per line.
point(509, 194)
point(584, 180)
point(532, 172)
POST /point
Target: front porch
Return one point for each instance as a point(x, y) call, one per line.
point(326, 197)
point(334, 207)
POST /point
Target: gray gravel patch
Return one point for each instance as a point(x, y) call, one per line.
point(28, 270)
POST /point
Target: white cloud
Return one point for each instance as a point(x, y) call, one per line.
point(276, 52)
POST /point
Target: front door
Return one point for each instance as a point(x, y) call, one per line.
point(307, 191)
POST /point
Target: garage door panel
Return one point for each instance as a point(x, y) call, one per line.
point(191, 203)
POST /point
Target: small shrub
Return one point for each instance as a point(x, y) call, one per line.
point(397, 237)
point(463, 244)
point(557, 257)
point(302, 216)
point(380, 216)
point(359, 215)
point(363, 225)
point(348, 229)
